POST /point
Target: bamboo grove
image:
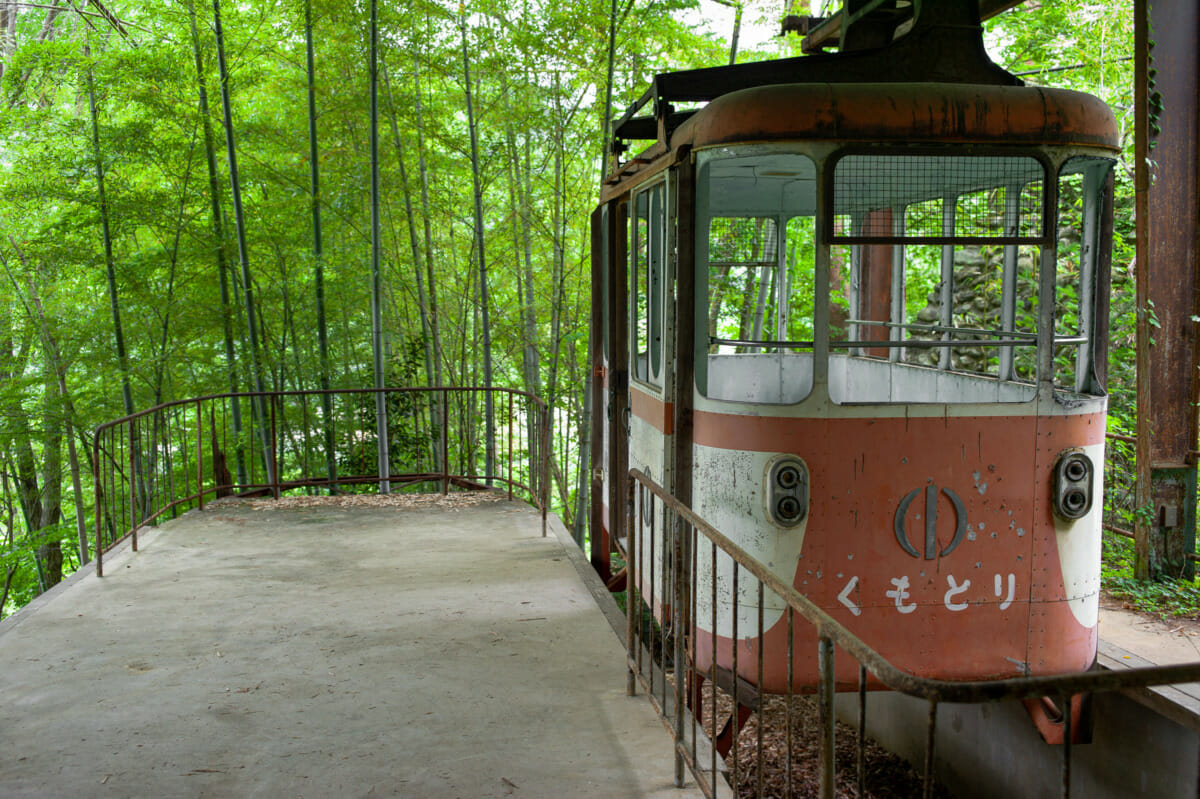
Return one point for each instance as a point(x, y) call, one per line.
point(187, 193)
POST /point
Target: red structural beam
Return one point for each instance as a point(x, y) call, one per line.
point(1167, 86)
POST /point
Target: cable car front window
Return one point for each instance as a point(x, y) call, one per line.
point(934, 277)
point(754, 268)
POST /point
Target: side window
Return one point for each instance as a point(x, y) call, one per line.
point(647, 255)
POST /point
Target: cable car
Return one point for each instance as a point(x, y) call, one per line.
point(852, 309)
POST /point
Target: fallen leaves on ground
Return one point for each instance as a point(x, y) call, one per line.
point(453, 501)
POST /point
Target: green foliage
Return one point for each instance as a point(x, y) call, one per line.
point(1166, 598)
point(540, 74)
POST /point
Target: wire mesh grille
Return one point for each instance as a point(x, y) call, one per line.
point(938, 198)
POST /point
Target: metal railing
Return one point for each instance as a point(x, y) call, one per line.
point(174, 457)
point(662, 654)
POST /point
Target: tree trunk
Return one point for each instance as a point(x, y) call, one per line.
point(318, 251)
point(50, 552)
point(218, 228)
point(422, 299)
point(243, 250)
point(381, 422)
point(489, 405)
point(435, 320)
point(109, 261)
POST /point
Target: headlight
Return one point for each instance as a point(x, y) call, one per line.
point(1073, 485)
point(787, 492)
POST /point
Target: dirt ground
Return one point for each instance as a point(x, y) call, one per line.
point(887, 776)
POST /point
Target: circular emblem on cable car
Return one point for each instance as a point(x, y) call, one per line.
point(931, 519)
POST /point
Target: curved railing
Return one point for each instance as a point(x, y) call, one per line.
point(174, 457)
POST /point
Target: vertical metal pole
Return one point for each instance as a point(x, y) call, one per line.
point(274, 475)
point(1008, 280)
point(825, 687)
point(679, 667)
point(862, 730)
point(632, 605)
point(445, 442)
point(654, 555)
point(133, 497)
point(897, 332)
point(545, 470)
point(761, 682)
point(930, 740)
point(693, 629)
point(200, 454)
point(712, 669)
point(510, 445)
point(946, 291)
point(99, 511)
point(787, 711)
point(640, 565)
point(1066, 750)
point(737, 704)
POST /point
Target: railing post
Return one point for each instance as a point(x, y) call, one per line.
point(274, 475)
point(99, 507)
point(825, 716)
point(200, 454)
point(862, 731)
point(133, 497)
point(445, 441)
point(632, 603)
point(1066, 705)
point(680, 596)
point(930, 741)
point(545, 464)
point(510, 445)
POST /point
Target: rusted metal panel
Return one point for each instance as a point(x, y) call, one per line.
point(888, 673)
point(599, 232)
point(864, 112)
point(1168, 252)
point(1168, 389)
point(1014, 589)
point(875, 284)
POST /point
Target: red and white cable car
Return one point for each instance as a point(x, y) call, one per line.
point(852, 309)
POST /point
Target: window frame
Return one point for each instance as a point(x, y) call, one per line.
point(656, 197)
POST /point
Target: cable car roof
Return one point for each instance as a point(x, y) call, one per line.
point(935, 83)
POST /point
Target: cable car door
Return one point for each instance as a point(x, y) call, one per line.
point(610, 384)
point(651, 417)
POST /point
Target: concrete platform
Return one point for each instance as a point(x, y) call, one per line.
point(416, 649)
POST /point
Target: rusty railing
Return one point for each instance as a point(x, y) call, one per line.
point(174, 457)
point(662, 655)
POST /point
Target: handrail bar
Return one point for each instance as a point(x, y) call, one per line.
point(313, 393)
point(129, 495)
point(902, 681)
